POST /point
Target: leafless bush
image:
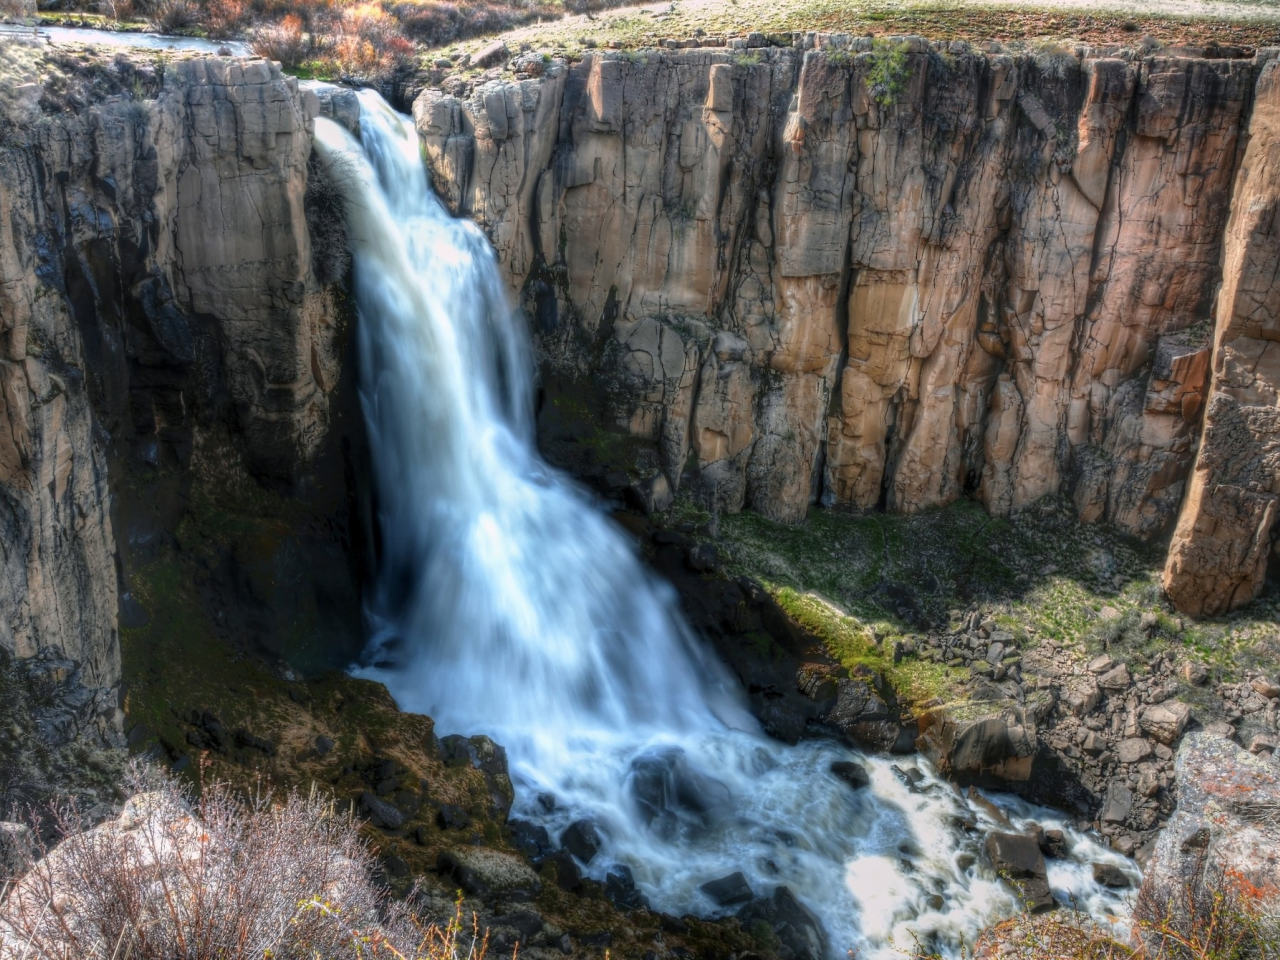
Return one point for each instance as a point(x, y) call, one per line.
point(170, 16)
point(16, 9)
point(172, 880)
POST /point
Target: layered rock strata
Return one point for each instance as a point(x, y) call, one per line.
point(155, 270)
point(871, 275)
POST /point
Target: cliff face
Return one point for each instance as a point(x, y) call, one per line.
point(872, 277)
point(1219, 553)
point(155, 276)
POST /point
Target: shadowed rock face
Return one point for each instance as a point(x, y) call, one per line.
point(155, 271)
point(997, 281)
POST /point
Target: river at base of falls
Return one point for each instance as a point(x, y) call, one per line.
point(507, 604)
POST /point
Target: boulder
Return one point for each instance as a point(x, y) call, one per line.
point(1165, 721)
point(490, 55)
point(1110, 875)
point(800, 934)
point(581, 839)
point(976, 742)
point(1224, 837)
point(852, 773)
point(485, 873)
point(1116, 680)
point(1118, 804)
point(1133, 750)
point(1017, 858)
point(730, 890)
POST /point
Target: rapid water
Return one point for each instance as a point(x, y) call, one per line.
point(507, 604)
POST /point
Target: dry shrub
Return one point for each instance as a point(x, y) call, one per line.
point(224, 19)
point(224, 877)
point(16, 9)
point(172, 16)
point(287, 41)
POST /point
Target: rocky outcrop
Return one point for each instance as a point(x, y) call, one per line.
point(883, 276)
point(155, 274)
point(1221, 842)
point(1220, 548)
point(809, 285)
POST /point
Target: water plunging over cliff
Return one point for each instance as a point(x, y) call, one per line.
point(507, 604)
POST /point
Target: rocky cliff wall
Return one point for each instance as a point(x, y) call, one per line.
point(155, 282)
point(869, 275)
point(1219, 553)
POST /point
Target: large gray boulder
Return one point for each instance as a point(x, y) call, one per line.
point(1224, 837)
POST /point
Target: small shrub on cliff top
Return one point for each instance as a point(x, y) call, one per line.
point(887, 70)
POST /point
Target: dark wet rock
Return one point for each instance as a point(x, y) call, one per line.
point(1017, 858)
point(729, 890)
point(323, 745)
point(672, 924)
point(983, 742)
point(568, 873)
point(672, 795)
point(852, 773)
point(620, 888)
point(380, 812)
point(1109, 875)
point(599, 939)
point(1225, 825)
point(481, 872)
point(800, 935)
point(529, 838)
point(581, 839)
point(1053, 843)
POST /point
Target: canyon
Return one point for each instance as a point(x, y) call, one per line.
point(797, 272)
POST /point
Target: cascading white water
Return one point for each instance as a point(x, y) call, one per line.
point(507, 604)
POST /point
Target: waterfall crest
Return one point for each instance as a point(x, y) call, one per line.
point(507, 604)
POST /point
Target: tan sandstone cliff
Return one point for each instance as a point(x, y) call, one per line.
point(1219, 552)
point(828, 274)
point(153, 253)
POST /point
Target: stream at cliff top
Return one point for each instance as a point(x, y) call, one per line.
point(507, 604)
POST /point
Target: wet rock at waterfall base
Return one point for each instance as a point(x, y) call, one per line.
point(980, 742)
point(1017, 859)
point(672, 796)
point(581, 839)
point(529, 838)
point(800, 935)
point(851, 773)
point(620, 888)
point(1109, 875)
point(730, 890)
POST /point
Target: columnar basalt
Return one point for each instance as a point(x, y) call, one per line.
point(872, 276)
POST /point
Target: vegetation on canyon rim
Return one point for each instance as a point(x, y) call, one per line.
point(378, 39)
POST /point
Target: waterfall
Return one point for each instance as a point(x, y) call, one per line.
point(507, 604)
